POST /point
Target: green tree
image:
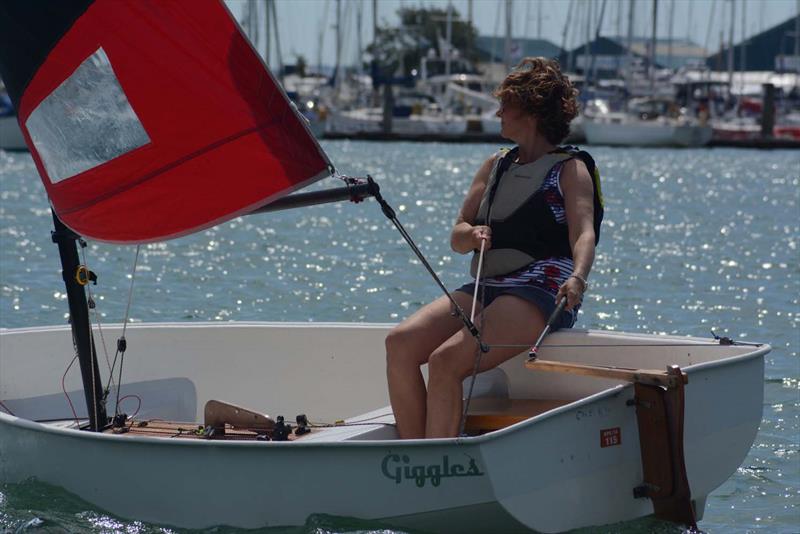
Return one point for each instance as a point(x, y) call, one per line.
point(397, 51)
point(301, 65)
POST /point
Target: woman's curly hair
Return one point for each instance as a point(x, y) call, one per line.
point(539, 88)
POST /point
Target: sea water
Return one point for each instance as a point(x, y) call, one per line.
point(694, 241)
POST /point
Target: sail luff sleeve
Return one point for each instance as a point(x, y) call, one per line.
point(150, 120)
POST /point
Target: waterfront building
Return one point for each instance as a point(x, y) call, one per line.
point(776, 49)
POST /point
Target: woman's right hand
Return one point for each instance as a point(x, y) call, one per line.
point(479, 234)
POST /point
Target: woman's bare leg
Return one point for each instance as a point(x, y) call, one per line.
point(508, 320)
point(408, 346)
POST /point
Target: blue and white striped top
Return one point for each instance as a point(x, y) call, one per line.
point(550, 273)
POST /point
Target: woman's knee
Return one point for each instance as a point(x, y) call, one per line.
point(400, 348)
point(446, 363)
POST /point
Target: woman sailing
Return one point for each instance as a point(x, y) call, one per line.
point(535, 210)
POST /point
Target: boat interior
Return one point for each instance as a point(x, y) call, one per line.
point(334, 373)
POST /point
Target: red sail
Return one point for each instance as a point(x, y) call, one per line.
point(152, 119)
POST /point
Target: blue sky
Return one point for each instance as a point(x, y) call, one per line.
point(304, 25)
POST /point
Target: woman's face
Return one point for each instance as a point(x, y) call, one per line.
point(514, 121)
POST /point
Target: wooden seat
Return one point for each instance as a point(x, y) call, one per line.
point(487, 414)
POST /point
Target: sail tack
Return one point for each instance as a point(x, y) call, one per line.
point(150, 120)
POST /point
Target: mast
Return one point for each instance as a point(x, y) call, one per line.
point(359, 44)
point(267, 33)
point(272, 7)
point(252, 22)
point(338, 41)
point(449, 37)
point(671, 25)
point(796, 39)
point(539, 20)
point(568, 66)
point(587, 49)
point(593, 67)
point(653, 50)
point(629, 69)
point(743, 62)
point(730, 47)
point(374, 19)
point(743, 58)
point(509, 20)
point(81, 328)
point(321, 37)
point(525, 30)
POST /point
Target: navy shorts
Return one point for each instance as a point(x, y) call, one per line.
point(541, 298)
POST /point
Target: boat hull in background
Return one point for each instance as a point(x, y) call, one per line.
point(646, 133)
point(370, 121)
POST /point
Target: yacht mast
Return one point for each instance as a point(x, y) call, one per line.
point(271, 6)
point(653, 50)
point(359, 44)
point(671, 26)
point(338, 39)
point(730, 45)
point(629, 68)
point(567, 22)
point(593, 67)
point(449, 38)
point(743, 58)
point(267, 34)
point(509, 20)
point(539, 19)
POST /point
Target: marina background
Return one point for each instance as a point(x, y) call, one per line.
point(545, 19)
point(694, 240)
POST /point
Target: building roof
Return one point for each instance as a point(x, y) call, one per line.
point(605, 46)
point(682, 51)
point(762, 51)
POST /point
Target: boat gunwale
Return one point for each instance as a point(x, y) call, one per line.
point(654, 338)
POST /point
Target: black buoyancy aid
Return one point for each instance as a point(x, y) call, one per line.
point(514, 205)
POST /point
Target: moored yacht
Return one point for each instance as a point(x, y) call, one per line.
point(648, 122)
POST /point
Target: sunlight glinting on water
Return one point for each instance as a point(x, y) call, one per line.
point(694, 241)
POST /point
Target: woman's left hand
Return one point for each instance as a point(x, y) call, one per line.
point(572, 289)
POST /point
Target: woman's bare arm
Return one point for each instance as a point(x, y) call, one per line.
point(466, 237)
point(576, 185)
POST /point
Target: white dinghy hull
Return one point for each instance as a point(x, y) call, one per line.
point(570, 467)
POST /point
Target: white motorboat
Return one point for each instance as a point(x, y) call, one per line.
point(418, 121)
point(604, 440)
point(648, 122)
point(559, 451)
point(623, 130)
